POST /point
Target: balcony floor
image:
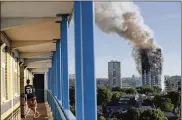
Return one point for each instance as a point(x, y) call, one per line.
point(44, 110)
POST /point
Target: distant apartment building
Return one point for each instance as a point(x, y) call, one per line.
point(173, 83)
point(72, 80)
point(130, 82)
point(114, 74)
point(101, 82)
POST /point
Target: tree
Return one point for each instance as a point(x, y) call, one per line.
point(148, 89)
point(130, 91)
point(103, 96)
point(117, 114)
point(132, 114)
point(175, 97)
point(116, 95)
point(157, 89)
point(179, 86)
point(102, 118)
point(157, 101)
point(152, 114)
point(72, 96)
point(116, 89)
point(140, 90)
point(148, 102)
point(72, 108)
point(169, 84)
point(163, 103)
point(167, 106)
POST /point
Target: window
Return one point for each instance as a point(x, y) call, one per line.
point(3, 72)
point(15, 78)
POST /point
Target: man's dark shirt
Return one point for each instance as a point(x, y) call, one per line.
point(30, 91)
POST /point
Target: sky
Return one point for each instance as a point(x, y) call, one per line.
point(164, 18)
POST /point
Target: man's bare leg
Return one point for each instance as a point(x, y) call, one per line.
point(36, 113)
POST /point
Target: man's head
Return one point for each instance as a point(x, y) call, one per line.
point(28, 81)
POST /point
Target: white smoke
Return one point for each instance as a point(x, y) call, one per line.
point(124, 19)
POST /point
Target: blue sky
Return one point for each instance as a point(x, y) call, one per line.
point(165, 20)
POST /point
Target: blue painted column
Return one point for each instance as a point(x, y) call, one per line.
point(59, 91)
point(48, 79)
point(52, 72)
point(89, 81)
point(78, 64)
point(51, 79)
point(64, 62)
point(55, 73)
point(84, 48)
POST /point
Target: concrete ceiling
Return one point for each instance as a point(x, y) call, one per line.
point(31, 28)
point(34, 9)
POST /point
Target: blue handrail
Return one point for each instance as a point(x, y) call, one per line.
point(58, 112)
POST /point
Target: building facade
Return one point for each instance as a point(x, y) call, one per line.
point(131, 82)
point(114, 74)
point(13, 78)
point(172, 83)
point(151, 75)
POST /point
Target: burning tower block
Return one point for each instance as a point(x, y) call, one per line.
point(151, 65)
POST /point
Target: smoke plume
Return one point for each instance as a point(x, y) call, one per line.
point(125, 19)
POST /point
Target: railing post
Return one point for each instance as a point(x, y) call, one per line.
point(64, 62)
point(84, 48)
point(59, 91)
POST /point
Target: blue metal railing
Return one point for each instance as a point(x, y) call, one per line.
point(56, 108)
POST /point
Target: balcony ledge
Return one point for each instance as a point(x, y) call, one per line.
point(69, 115)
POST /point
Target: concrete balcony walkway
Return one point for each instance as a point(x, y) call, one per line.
point(45, 111)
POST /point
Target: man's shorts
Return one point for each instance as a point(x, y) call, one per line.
point(32, 103)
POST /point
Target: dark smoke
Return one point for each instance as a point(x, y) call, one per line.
point(149, 61)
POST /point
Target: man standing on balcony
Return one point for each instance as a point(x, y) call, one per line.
point(31, 98)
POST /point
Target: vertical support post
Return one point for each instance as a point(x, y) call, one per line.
point(59, 91)
point(85, 48)
point(51, 79)
point(88, 61)
point(22, 92)
point(55, 73)
point(64, 62)
point(52, 74)
point(78, 62)
point(46, 78)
